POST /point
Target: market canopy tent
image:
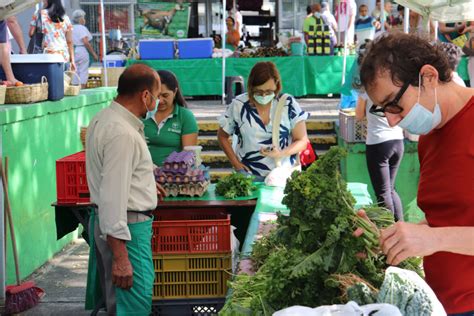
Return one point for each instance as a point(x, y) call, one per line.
point(442, 10)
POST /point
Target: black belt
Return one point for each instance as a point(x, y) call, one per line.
point(147, 213)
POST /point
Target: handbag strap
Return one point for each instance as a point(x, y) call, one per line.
point(276, 127)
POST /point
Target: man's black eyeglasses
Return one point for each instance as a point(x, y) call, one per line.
point(391, 106)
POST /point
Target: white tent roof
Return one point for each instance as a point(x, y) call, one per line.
point(442, 10)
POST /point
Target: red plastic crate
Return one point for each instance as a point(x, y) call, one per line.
point(191, 231)
point(71, 179)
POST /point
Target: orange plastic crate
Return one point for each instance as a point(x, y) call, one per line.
point(191, 231)
point(71, 179)
point(191, 275)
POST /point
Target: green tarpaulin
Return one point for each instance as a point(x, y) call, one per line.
point(301, 76)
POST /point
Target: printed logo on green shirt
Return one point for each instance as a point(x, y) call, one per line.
point(175, 128)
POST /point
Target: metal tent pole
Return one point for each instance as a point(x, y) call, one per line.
point(406, 20)
point(382, 15)
point(104, 43)
point(223, 49)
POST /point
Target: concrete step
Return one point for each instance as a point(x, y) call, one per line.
point(218, 173)
point(215, 159)
point(210, 127)
point(210, 142)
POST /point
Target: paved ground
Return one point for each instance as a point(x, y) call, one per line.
point(64, 280)
point(64, 277)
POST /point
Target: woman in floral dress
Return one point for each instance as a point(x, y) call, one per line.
point(57, 30)
point(250, 118)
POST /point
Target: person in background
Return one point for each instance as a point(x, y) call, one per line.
point(330, 20)
point(238, 18)
point(384, 153)
point(57, 31)
point(121, 182)
point(81, 38)
point(365, 21)
point(232, 37)
point(17, 33)
point(416, 26)
point(319, 34)
point(309, 12)
point(308, 22)
point(387, 13)
point(454, 54)
point(172, 126)
point(346, 11)
point(397, 21)
point(5, 56)
point(389, 19)
point(450, 31)
point(409, 80)
point(249, 117)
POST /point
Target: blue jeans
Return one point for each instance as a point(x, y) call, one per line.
point(471, 313)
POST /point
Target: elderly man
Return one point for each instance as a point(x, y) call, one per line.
point(122, 185)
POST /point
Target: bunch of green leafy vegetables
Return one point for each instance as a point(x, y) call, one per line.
point(235, 185)
point(297, 260)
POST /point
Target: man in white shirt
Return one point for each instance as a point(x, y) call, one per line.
point(122, 185)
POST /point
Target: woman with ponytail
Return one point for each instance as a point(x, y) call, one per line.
point(172, 126)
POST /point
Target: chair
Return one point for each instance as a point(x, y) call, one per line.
point(229, 87)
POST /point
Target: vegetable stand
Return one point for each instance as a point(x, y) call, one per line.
point(246, 214)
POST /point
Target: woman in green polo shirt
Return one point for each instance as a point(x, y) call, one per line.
point(173, 126)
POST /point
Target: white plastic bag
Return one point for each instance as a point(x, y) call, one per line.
point(349, 309)
point(278, 176)
point(234, 246)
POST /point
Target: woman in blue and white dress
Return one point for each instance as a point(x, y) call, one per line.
point(250, 118)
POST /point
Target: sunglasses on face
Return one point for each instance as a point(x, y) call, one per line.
point(391, 107)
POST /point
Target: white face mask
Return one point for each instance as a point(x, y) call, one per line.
point(317, 15)
point(420, 120)
point(363, 17)
point(151, 113)
point(264, 100)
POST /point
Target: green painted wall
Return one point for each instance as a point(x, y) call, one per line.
point(34, 137)
point(354, 169)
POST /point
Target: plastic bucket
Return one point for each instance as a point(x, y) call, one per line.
point(297, 49)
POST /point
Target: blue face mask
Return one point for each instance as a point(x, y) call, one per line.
point(420, 120)
point(150, 114)
point(264, 100)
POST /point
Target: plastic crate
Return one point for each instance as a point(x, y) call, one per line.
point(191, 275)
point(71, 179)
point(156, 49)
point(114, 61)
point(191, 231)
point(352, 131)
point(196, 307)
point(192, 48)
